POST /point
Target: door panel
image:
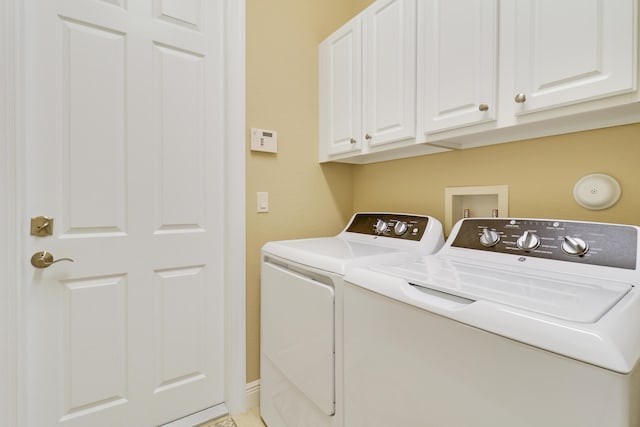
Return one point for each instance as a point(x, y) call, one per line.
point(340, 89)
point(180, 341)
point(299, 339)
point(95, 312)
point(124, 134)
point(93, 118)
point(458, 56)
point(561, 62)
point(389, 76)
point(180, 116)
point(186, 13)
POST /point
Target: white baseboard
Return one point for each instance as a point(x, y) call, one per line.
point(253, 394)
point(252, 401)
point(200, 417)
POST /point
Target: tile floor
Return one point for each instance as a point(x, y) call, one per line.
point(248, 419)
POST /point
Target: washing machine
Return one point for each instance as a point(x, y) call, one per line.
point(301, 379)
point(514, 322)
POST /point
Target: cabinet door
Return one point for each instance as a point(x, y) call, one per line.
point(572, 50)
point(389, 71)
point(457, 54)
point(340, 90)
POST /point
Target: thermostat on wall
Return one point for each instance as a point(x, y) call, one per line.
point(264, 140)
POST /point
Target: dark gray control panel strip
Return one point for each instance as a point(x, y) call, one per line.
point(406, 227)
point(607, 245)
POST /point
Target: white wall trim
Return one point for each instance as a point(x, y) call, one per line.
point(253, 394)
point(9, 245)
point(199, 417)
point(235, 224)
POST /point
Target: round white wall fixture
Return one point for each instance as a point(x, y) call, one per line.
point(596, 191)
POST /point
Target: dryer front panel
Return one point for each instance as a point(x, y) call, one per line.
point(298, 331)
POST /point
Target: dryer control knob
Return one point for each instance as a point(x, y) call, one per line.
point(400, 228)
point(489, 238)
point(574, 246)
point(381, 226)
point(528, 241)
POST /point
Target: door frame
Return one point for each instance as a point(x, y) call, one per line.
point(12, 225)
point(10, 86)
point(235, 208)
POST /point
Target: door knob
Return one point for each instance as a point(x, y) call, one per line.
point(44, 259)
point(520, 98)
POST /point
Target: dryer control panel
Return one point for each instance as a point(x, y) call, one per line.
point(593, 243)
point(399, 226)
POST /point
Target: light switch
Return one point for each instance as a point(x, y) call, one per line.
point(264, 140)
point(263, 201)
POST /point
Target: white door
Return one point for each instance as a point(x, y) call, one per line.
point(457, 57)
point(340, 90)
point(571, 51)
point(123, 133)
point(389, 71)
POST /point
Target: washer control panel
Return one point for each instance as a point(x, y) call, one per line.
point(582, 242)
point(398, 226)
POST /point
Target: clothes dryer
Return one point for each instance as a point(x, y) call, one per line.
point(301, 311)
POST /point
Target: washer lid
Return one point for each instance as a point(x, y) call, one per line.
point(567, 297)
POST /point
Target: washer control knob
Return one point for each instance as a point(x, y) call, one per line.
point(381, 227)
point(489, 238)
point(574, 246)
point(528, 241)
point(400, 228)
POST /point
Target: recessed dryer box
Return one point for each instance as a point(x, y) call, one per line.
point(481, 201)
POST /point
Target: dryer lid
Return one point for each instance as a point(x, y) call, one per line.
point(333, 254)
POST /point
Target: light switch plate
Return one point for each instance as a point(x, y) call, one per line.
point(264, 140)
point(263, 202)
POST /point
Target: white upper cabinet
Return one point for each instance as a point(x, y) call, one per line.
point(414, 77)
point(457, 63)
point(571, 51)
point(389, 72)
point(341, 91)
point(368, 83)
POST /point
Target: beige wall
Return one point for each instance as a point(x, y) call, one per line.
point(306, 199)
point(540, 174)
point(359, 5)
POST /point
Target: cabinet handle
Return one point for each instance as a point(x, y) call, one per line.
point(367, 136)
point(520, 98)
point(483, 107)
point(352, 140)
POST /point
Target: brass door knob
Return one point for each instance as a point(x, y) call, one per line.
point(520, 98)
point(44, 259)
point(483, 107)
